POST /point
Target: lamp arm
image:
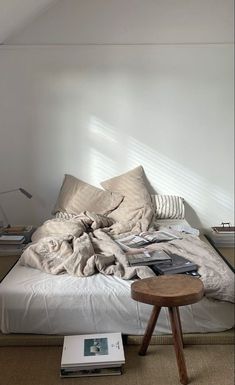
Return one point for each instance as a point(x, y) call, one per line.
point(4, 216)
point(8, 191)
point(22, 190)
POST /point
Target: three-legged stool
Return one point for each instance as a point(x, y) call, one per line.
point(169, 291)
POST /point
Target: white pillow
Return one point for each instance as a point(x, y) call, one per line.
point(169, 207)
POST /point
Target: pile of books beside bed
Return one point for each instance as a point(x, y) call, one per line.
point(223, 236)
point(92, 355)
point(13, 239)
point(11, 244)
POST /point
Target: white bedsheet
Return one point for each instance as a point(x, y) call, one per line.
point(35, 302)
point(32, 301)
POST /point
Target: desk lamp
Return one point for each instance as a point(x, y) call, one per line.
point(23, 191)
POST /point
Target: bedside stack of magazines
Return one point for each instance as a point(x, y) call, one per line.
point(160, 261)
point(223, 235)
point(14, 239)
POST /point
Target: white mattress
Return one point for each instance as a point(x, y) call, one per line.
point(35, 302)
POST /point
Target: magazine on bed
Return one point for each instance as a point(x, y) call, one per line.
point(92, 355)
point(178, 265)
point(149, 258)
point(145, 238)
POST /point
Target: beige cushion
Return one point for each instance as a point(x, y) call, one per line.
point(76, 196)
point(136, 207)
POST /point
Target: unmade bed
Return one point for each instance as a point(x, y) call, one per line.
point(36, 302)
point(74, 278)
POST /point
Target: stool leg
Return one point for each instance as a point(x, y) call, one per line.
point(178, 345)
point(149, 330)
point(180, 326)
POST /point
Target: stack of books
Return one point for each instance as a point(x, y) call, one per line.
point(149, 258)
point(177, 265)
point(92, 355)
point(223, 236)
point(25, 231)
point(159, 260)
point(11, 244)
point(14, 238)
point(163, 263)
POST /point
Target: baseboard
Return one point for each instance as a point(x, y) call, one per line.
point(221, 338)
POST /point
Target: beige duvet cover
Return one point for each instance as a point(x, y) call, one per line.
point(84, 245)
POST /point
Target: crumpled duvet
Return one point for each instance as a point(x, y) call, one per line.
point(217, 277)
point(82, 246)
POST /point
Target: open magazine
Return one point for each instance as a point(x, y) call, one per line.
point(149, 258)
point(145, 238)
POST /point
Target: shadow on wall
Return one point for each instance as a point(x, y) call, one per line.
point(111, 152)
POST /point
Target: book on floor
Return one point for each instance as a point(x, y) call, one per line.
point(110, 371)
point(92, 354)
point(145, 238)
point(179, 265)
point(149, 258)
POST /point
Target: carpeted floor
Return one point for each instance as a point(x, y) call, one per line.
point(206, 364)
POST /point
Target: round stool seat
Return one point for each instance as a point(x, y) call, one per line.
point(168, 290)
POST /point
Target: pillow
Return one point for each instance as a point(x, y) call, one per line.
point(136, 207)
point(169, 207)
point(76, 196)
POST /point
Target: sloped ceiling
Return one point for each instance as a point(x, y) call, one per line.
point(15, 14)
point(66, 22)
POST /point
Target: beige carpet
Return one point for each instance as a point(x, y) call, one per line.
point(206, 364)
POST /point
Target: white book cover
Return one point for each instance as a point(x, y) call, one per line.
point(10, 239)
point(92, 350)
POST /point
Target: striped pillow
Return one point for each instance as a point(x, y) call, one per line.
point(169, 207)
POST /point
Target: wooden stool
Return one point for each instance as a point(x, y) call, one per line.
point(169, 291)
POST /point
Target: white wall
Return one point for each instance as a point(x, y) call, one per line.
point(131, 22)
point(98, 110)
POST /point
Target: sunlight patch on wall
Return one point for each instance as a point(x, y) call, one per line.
point(170, 177)
point(169, 173)
point(111, 153)
point(100, 167)
point(104, 151)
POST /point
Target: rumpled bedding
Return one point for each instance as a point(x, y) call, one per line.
point(84, 244)
point(80, 246)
